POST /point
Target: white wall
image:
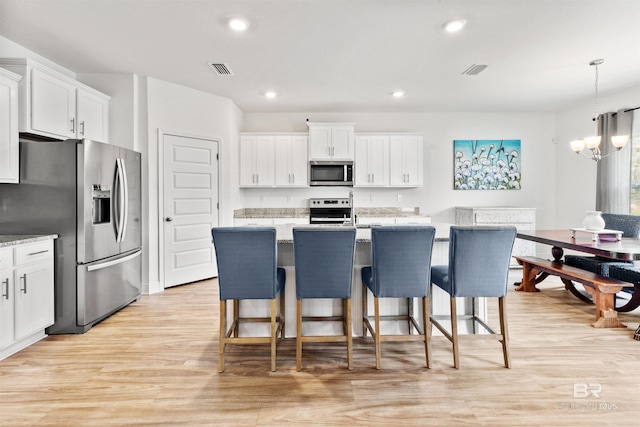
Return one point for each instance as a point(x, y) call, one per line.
point(175, 108)
point(436, 197)
point(576, 183)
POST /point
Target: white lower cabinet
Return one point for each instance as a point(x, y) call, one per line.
point(27, 305)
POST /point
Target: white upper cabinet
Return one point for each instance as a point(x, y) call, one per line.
point(92, 116)
point(257, 161)
point(57, 106)
point(331, 141)
point(372, 161)
point(9, 147)
point(53, 106)
point(291, 161)
point(405, 161)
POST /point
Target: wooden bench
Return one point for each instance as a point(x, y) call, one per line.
point(601, 288)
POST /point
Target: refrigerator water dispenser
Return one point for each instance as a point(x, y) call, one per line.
point(101, 204)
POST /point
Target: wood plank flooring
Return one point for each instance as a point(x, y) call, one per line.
point(155, 363)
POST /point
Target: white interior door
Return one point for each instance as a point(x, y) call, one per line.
point(190, 208)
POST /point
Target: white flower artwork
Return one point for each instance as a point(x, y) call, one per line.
point(486, 164)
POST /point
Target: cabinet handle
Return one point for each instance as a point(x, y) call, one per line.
point(73, 125)
point(293, 178)
point(5, 282)
point(38, 253)
point(82, 128)
point(24, 280)
point(257, 178)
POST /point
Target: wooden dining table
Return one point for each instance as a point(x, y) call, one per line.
point(611, 246)
point(625, 249)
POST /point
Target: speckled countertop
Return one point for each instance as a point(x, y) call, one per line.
point(284, 232)
point(303, 212)
point(19, 239)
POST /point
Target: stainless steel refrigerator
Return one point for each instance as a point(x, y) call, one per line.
point(89, 193)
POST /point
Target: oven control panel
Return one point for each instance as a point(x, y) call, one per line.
point(329, 203)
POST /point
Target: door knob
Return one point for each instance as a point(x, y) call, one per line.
point(168, 219)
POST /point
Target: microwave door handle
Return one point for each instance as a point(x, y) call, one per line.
point(344, 177)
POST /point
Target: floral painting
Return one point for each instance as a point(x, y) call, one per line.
point(486, 164)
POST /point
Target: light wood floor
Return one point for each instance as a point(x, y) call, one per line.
point(155, 363)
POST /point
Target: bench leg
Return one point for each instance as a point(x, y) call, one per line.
point(529, 279)
point(606, 314)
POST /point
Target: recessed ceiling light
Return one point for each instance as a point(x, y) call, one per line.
point(238, 24)
point(270, 94)
point(455, 25)
point(398, 94)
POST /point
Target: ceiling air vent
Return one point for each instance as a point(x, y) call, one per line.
point(474, 70)
point(221, 69)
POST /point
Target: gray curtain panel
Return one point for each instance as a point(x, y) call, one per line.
point(613, 184)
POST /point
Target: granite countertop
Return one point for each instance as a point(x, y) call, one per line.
point(19, 239)
point(284, 232)
point(390, 212)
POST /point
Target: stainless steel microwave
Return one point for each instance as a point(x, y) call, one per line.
point(328, 173)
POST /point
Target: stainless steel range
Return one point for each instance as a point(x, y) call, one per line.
point(330, 211)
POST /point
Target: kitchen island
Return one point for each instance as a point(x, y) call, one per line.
point(321, 307)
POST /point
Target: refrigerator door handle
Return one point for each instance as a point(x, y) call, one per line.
point(125, 199)
point(94, 267)
point(120, 201)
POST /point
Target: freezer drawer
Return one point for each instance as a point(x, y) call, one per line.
point(106, 286)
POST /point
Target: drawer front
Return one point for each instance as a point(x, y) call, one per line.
point(26, 254)
point(6, 258)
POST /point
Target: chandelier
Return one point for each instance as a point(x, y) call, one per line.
point(593, 142)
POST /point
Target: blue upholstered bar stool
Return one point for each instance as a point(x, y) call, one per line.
point(630, 227)
point(400, 268)
point(324, 268)
point(246, 258)
point(478, 267)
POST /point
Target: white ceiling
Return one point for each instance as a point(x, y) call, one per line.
point(347, 55)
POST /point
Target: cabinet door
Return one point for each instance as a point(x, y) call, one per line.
point(92, 116)
point(265, 159)
point(342, 142)
point(320, 147)
point(33, 298)
point(283, 161)
point(363, 175)
point(8, 130)
point(6, 307)
point(412, 153)
point(299, 161)
point(53, 105)
point(405, 161)
point(247, 161)
point(291, 161)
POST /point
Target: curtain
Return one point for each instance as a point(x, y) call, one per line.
point(613, 182)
